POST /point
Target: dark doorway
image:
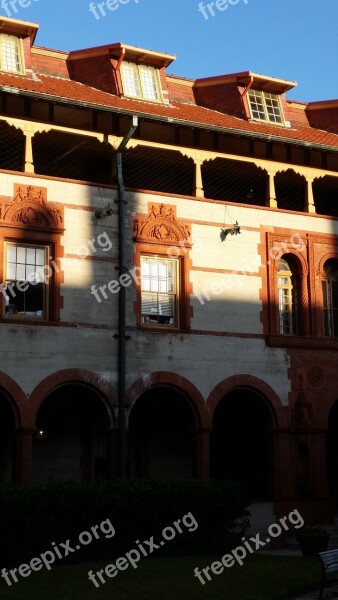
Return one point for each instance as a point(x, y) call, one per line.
point(161, 435)
point(332, 452)
point(71, 440)
point(241, 443)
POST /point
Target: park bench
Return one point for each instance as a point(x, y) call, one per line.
point(329, 564)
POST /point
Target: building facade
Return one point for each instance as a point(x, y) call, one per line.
point(230, 278)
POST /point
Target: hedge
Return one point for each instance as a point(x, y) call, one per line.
point(32, 518)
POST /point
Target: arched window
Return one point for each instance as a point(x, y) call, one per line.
point(288, 297)
point(330, 298)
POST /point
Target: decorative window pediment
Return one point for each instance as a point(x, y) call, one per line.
point(29, 208)
point(161, 226)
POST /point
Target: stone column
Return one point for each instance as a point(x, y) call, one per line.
point(202, 449)
point(198, 190)
point(23, 456)
point(271, 190)
point(29, 164)
point(309, 199)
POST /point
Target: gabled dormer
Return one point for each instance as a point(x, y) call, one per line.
point(123, 70)
point(248, 95)
point(16, 40)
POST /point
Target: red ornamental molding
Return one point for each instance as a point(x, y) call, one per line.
point(161, 226)
point(29, 208)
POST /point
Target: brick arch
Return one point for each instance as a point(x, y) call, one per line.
point(75, 376)
point(329, 255)
point(16, 398)
point(254, 384)
point(178, 382)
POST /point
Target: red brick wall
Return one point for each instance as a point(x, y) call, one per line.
point(180, 93)
point(223, 97)
point(296, 115)
point(96, 71)
point(50, 65)
point(325, 118)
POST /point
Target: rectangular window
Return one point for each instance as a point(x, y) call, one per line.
point(265, 106)
point(159, 291)
point(140, 81)
point(10, 53)
point(26, 282)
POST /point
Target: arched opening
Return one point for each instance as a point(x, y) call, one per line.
point(332, 452)
point(234, 181)
point(12, 147)
point(161, 170)
point(242, 443)
point(161, 428)
point(71, 440)
point(325, 192)
point(290, 190)
point(7, 441)
point(72, 156)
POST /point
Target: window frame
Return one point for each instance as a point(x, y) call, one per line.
point(329, 307)
point(138, 70)
point(46, 282)
point(263, 96)
point(176, 293)
point(19, 47)
point(292, 288)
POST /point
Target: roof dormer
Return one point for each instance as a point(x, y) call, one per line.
point(16, 39)
point(124, 70)
point(250, 95)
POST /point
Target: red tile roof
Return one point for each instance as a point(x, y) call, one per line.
point(65, 89)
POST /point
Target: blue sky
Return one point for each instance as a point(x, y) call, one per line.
point(289, 39)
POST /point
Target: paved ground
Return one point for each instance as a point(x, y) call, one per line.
point(291, 548)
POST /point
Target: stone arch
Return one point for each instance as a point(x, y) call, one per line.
point(16, 398)
point(278, 412)
point(75, 376)
point(181, 384)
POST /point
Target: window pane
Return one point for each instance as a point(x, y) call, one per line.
point(21, 273)
point(272, 107)
point(166, 304)
point(30, 273)
point(23, 297)
point(256, 104)
point(149, 83)
point(21, 255)
point(158, 286)
point(287, 299)
point(130, 79)
point(40, 256)
point(30, 257)
point(10, 55)
point(11, 271)
point(11, 253)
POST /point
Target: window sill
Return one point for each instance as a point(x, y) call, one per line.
point(26, 320)
point(7, 71)
point(284, 124)
point(306, 342)
point(161, 328)
point(141, 99)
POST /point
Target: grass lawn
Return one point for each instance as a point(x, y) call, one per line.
point(171, 578)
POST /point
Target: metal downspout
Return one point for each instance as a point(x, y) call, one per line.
point(121, 201)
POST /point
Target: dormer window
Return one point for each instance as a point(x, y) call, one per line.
point(10, 53)
point(265, 106)
point(141, 81)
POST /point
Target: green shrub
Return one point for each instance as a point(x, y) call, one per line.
point(34, 517)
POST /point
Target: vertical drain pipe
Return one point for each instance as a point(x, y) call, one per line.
point(121, 336)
